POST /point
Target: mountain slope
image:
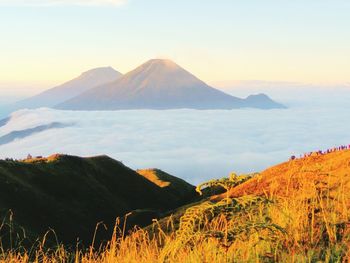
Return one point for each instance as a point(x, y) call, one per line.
point(295, 210)
point(158, 84)
point(70, 89)
point(178, 188)
point(297, 178)
point(72, 194)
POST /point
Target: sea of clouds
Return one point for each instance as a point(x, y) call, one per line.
point(192, 144)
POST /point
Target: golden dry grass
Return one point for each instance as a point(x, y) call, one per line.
point(294, 212)
point(51, 158)
point(301, 176)
point(151, 175)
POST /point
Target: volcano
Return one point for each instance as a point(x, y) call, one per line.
point(160, 84)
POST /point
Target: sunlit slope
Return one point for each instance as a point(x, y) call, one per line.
point(297, 211)
point(71, 194)
point(304, 176)
point(178, 188)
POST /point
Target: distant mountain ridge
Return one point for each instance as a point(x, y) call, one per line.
point(16, 135)
point(161, 84)
point(87, 80)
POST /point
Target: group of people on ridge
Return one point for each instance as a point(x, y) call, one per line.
point(335, 149)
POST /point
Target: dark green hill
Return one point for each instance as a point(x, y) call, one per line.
point(71, 195)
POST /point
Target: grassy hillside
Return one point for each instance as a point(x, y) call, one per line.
point(71, 195)
point(302, 177)
point(178, 188)
point(297, 211)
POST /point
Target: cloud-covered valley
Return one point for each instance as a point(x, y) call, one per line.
point(195, 145)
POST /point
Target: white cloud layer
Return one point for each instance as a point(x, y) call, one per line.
point(195, 145)
point(63, 2)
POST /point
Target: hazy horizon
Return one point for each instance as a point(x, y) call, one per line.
point(22, 91)
point(298, 41)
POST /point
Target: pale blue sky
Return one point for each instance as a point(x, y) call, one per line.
point(222, 40)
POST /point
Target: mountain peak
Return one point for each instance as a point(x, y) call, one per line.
point(161, 62)
point(263, 101)
point(160, 65)
point(85, 81)
point(99, 71)
point(259, 95)
point(159, 84)
point(159, 74)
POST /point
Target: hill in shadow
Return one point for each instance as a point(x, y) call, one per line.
point(72, 194)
